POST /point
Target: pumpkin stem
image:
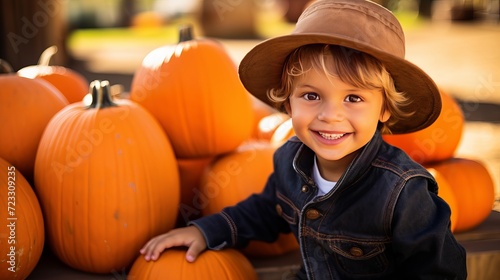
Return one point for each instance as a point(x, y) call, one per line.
point(5, 67)
point(101, 95)
point(46, 55)
point(185, 33)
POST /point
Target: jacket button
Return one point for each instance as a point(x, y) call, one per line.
point(305, 188)
point(279, 209)
point(356, 252)
point(312, 214)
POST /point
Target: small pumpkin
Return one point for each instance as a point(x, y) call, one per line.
point(107, 181)
point(22, 236)
point(193, 89)
point(147, 19)
point(26, 106)
point(228, 264)
point(232, 178)
point(438, 141)
point(445, 191)
point(472, 187)
point(72, 84)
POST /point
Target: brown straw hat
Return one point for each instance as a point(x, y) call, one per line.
point(357, 24)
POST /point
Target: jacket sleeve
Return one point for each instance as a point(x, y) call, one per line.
point(254, 218)
point(422, 241)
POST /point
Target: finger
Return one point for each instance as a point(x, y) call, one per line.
point(162, 242)
point(154, 245)
point(194, 251)
point(148, 244)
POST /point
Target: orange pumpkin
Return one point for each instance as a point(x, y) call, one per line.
point(228, 264)
point(472, 187)
point(445, 191)
point(437, 142)
point(26, 106)
point(73, 85)
point(190, 172)
point(147, 19)
point(233, 177)
point(22, 236)
point(107, 180)
point(193, 89)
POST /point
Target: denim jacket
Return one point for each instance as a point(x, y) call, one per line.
point(383, 219)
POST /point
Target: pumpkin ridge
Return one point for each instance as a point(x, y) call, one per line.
point(150, 197)
point(186, 126)
point(33, 224)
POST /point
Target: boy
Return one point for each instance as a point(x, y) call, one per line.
point(360, 208)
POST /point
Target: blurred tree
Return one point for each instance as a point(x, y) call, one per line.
point(28, 27)
point(127, 12)
point(294, 8)
point(424, 6)
point(228, 18)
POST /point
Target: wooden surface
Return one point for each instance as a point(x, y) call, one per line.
point(482, 244)
point(483, 249)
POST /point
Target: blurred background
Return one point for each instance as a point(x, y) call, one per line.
point(455, 41)
point(27, 27)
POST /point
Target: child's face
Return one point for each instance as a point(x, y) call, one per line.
point(333, 118)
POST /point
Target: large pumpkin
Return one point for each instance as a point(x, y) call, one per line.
point(73, 85)
point(193, 89)
point(22, 236)
point(26, 106)
point(234, 177)
point(445, 191)
point(438, 141)
point(472, 187)
point(228, 264)
point(107, 181)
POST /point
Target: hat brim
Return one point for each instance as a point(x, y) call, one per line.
point(261, 70)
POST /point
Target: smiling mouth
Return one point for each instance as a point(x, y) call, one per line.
point(329, 136)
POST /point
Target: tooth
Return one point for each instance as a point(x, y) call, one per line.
point(330, 136)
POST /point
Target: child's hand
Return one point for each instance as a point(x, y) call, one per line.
point(190, 237)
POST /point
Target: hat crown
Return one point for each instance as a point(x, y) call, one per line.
point(357, 21)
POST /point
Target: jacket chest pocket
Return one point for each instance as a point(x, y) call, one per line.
point(360, 258)
point(286, 209)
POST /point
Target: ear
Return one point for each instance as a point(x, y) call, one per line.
point(384, 115)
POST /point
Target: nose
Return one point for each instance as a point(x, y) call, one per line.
point(331, 111)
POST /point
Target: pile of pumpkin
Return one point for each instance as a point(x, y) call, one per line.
point(109, 173)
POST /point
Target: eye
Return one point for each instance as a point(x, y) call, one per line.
point(353, 98)
point(310, 96)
